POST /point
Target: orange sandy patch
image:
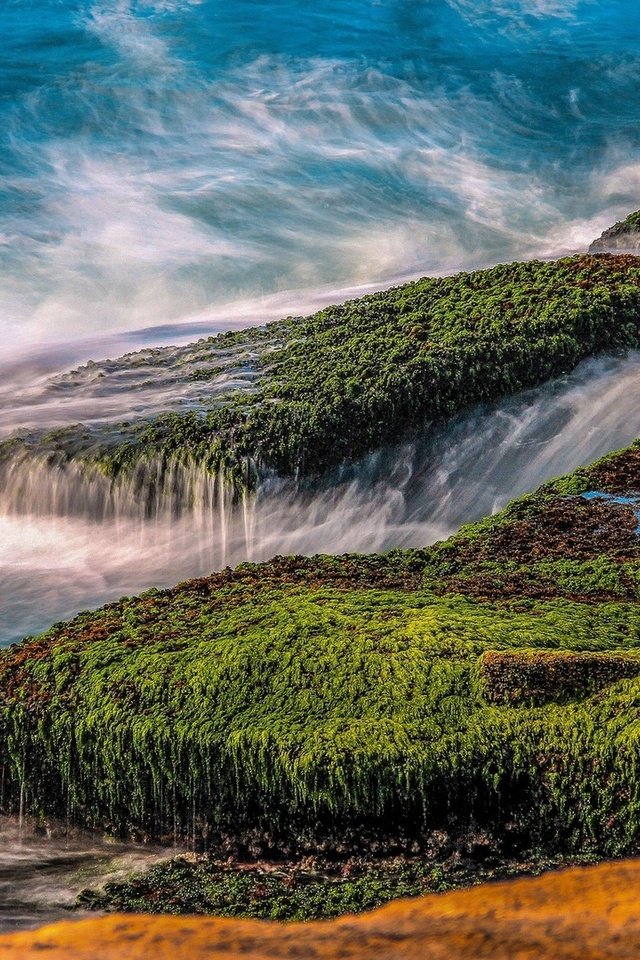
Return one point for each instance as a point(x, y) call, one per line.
point(578, 914)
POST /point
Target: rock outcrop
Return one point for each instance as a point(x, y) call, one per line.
point(622, 237)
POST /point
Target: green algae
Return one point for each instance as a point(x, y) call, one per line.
point(311, 890)
point(335, 385)
point(338, 702)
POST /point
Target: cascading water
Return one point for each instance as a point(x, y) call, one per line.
point(75, 538)
point(155, 490)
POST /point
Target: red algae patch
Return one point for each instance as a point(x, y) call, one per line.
point(586, 913)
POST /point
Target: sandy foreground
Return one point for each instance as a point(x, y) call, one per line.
point(582, 913)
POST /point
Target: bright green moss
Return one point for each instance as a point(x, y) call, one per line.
point(337, 384)
point(304, 706)
point(338, 700)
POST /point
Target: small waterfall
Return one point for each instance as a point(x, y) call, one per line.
point(155, 489)
point(73, 538)
point(156, 494)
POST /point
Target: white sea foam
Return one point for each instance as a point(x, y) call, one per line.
point(510, 10)
point(184, 190)
point(116, 23)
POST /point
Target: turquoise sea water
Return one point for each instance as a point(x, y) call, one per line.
point(159, 160)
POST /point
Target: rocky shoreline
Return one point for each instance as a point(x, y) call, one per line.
point(335, 731)
point(576, 914)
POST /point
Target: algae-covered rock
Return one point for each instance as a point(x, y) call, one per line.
point(324, 389)
point(336, 704)
point(622, 237)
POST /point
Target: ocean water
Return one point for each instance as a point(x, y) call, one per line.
point(171, 163)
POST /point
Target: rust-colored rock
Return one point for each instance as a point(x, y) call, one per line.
point(578, 914)
point(540, 676)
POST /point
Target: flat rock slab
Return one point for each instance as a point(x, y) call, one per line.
point(577, 914)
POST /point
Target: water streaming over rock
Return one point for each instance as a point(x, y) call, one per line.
point(75, 538)
point(42, 869)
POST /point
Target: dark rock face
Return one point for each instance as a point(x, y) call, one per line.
point(623, 236)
